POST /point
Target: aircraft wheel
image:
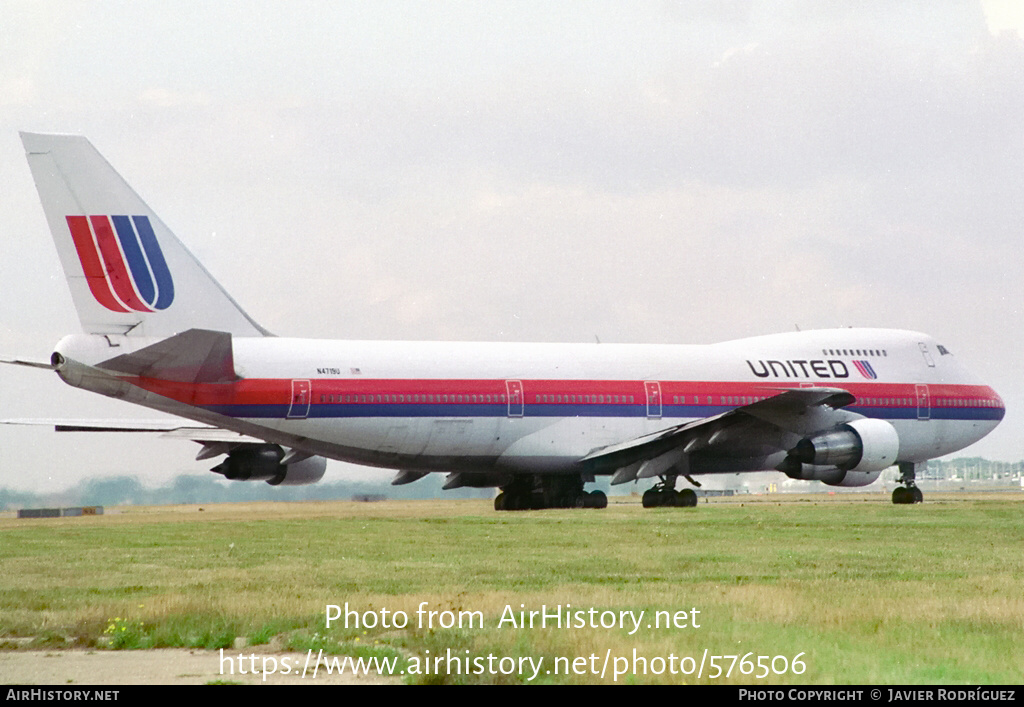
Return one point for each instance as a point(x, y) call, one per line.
point(902, 494)
point(687, 498)
point(650, 499)
point(499, 502)
point(598, 500)
point(514, 502)
point(916, 495)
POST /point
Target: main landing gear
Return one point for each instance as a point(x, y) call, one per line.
point(909, 493)
point(664, 494)
point(534, 492)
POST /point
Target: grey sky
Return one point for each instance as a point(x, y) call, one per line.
point(647, 172)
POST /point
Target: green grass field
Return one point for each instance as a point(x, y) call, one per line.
point(866, 591)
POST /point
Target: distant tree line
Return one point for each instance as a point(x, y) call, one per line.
point(192, 488)
point(971, 468)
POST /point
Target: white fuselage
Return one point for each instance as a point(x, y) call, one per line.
point(540, 408)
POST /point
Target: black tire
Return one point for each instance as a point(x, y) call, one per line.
point(916, 495)
point(902, 495)
point(598, 500)
point(499, 502)
point(650, 499)
point(687, 498)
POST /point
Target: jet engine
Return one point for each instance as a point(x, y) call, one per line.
point(856, 478)
point(262, 462)
point(862, 445)
point(830, 475)
point(853, 454)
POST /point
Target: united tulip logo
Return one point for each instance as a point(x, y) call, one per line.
point(865, 369)
point(123, 263)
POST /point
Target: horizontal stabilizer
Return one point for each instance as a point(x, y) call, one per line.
point(30, 364)
point(168, 428)
point(194, 356)
point(66, 425)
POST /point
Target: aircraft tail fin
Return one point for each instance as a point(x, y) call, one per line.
point(127, 272)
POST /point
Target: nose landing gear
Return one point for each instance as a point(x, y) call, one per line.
point(909, 493)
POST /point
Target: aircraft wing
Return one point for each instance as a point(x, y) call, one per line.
point(762, 424)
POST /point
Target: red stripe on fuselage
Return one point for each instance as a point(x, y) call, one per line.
point(271, 391)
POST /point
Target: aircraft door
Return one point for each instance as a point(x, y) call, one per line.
point(653, 390)
point(924, 407)
point(515, 398)
point(299, 407)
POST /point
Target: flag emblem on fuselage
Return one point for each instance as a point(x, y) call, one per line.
point(123, 263)
point(865, 369)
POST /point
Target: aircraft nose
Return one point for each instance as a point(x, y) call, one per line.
point(1000, 406)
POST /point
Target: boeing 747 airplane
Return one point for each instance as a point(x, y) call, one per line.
point(537, 421)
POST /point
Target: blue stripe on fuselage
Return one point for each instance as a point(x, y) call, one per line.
point(372, 410)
